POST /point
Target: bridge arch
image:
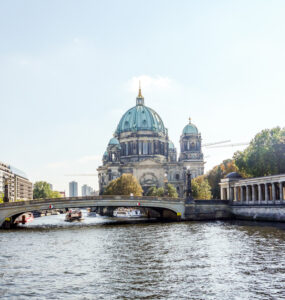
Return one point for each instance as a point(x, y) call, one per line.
point(10, 210)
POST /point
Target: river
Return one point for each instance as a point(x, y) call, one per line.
point(99, 259)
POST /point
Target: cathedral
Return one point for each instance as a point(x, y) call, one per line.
point(141, 146)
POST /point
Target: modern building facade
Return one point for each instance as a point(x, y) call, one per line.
point(141, 146)
point(87, 190)
point(73, 189)
point(18, 185)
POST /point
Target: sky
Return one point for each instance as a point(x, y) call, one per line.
point(70, 69)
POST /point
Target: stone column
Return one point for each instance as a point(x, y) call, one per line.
point(236, 193)
point(273, 192)
point(241, 194)
point(253, 193)
point(259, 194)
point(247, 194)
point(266, 192)
point(281, 191)
point(232, 196)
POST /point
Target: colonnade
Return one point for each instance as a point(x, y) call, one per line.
point(267, 192)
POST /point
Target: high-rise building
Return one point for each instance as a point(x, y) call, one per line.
point(18, 184)
point(86, 190)
point(73, 189)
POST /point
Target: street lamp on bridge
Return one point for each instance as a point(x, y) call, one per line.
point(189, 193)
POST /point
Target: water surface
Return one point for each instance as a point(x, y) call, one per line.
point(98, 259)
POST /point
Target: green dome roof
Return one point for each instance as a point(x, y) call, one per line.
point(140, 118)
point(114, 141)
point(190, 128)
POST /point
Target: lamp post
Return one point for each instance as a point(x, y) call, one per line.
point(189, 194)
point(165, 184)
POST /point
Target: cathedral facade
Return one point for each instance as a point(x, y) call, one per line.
point(141, 146)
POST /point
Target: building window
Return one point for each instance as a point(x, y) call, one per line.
point(145, 148)
point(140, 147)
point(177, 176)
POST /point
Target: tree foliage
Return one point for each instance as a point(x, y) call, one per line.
point(215, 175)
point(161, 192)
point(125, 185)
point(42, 190)
point(265, 155)
point(1, 197)
point(201, 188)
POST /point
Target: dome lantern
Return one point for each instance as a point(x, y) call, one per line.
point(140, 98)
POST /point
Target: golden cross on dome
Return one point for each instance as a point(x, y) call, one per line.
point(140, 90)
point(189, 120)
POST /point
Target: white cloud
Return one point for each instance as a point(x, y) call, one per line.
point(149, 83)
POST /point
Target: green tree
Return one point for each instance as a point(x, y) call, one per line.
point(171, 191)
point(152, 191)
point(160, 192)
point(42, 190)
point(1, 197)
point(125, 185)
point(201, 188)
point(215, 175)
point(265, 154)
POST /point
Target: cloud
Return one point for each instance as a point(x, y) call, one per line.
point(149, 83)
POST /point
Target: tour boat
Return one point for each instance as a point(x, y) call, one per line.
point(24, 218)
point(127, 213)
point(73, 215)
point(91, 213)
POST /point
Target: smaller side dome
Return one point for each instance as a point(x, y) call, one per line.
point(233, 175)
point(190, 128)
point(171, 146)
point(114, 141)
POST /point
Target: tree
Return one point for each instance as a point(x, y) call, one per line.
point(215, 175)
point(265, 154)
point(42, 190)
point(125, 185)
point(201, 188)
point(161, 192)
point(171, 191)
point(1, 197)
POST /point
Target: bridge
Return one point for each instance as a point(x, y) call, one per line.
point(172, 208)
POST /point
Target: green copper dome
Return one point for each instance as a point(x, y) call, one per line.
point(140, 118)
point(190, 128)
point(114, 141)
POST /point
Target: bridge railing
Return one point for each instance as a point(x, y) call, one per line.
point(103, 197)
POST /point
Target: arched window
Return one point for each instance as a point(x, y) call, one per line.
point(177, 176)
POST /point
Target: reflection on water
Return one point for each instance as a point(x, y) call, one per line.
point(53, 259)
